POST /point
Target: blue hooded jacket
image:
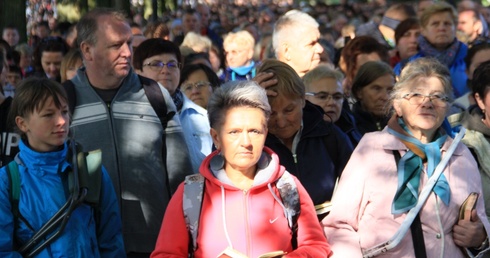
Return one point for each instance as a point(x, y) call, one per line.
point(42, 194)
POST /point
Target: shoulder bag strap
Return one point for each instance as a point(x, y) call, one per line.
point(424, 194)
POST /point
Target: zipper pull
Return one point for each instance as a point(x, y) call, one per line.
point(295, 158)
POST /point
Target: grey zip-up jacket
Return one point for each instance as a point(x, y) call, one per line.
point(130, 134)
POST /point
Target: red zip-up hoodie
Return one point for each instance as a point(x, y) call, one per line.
point(251, 222)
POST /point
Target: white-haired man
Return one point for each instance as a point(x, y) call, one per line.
point(295, 41)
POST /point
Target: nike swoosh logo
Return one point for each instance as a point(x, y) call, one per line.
point(273, 220)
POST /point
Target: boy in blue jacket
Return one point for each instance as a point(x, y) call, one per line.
point(40, 112)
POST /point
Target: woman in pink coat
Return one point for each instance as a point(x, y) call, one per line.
point(242, 211)
point(375, 193)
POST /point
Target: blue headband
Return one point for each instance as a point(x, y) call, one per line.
point(389, 22)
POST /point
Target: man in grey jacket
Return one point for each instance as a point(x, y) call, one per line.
point(113, 113)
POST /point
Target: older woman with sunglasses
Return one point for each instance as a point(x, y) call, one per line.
point(384, 184)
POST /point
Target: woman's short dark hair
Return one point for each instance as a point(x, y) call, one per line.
point(49, 44)
point(404, 26)
point(481, 79)
point(190, 69)
point(368, 73)
point(361, 45)
point(154, 47)
point(31, 94)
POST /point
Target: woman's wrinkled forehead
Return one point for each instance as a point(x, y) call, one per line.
point(420, 84)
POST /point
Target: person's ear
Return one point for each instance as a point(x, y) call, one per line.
point(21, 124)
point(214, 136)
point(478, 27)
point(286, 49)
point(250, 54)
point(480, 101)
point(397, 107)
point(85, 50)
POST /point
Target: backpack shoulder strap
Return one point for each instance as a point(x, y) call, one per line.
point(192, 203)
point(90, 174)
point(290, 198)
point(71, 94)
point(157, 101)
point(14, 193)
point(14, 181)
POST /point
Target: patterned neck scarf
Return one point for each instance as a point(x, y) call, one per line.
point(411, 164)
point(446, 56)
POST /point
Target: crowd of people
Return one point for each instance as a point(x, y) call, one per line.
point(228, 130)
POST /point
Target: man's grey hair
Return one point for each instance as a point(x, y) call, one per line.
point(88, 24)
point(289, 26)
point(236, 94)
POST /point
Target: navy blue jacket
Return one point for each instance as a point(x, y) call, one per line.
point(315, 167)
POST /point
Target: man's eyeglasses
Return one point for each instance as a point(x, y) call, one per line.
point(157, 66)
point(198, 85)
point(416, 98)
point(323, 96)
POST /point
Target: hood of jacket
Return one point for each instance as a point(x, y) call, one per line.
point(268, 170)
point(472, 120)
point(41, 163)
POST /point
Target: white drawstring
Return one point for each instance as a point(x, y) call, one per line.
point(223, 214)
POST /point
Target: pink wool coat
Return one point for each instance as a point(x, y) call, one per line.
point(361, 215)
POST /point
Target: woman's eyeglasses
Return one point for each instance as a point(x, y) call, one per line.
point(158, 66)
point(416, 98)
point(323, 96)
point(198, 85)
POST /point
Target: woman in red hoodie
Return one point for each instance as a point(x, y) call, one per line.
point(242, 214)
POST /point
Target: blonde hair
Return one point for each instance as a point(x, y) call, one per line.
point(438, 7)
point(196, 42)
point(242, 38)
point(320, 72)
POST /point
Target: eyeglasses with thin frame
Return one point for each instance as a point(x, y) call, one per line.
point(198, 85)
point(323, 96)
point(157, 66)
point(437, 99)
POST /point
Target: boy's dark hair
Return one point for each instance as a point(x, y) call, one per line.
point(15, 69)
point(31, 95)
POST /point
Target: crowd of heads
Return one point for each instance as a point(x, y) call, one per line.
point(227, 37)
